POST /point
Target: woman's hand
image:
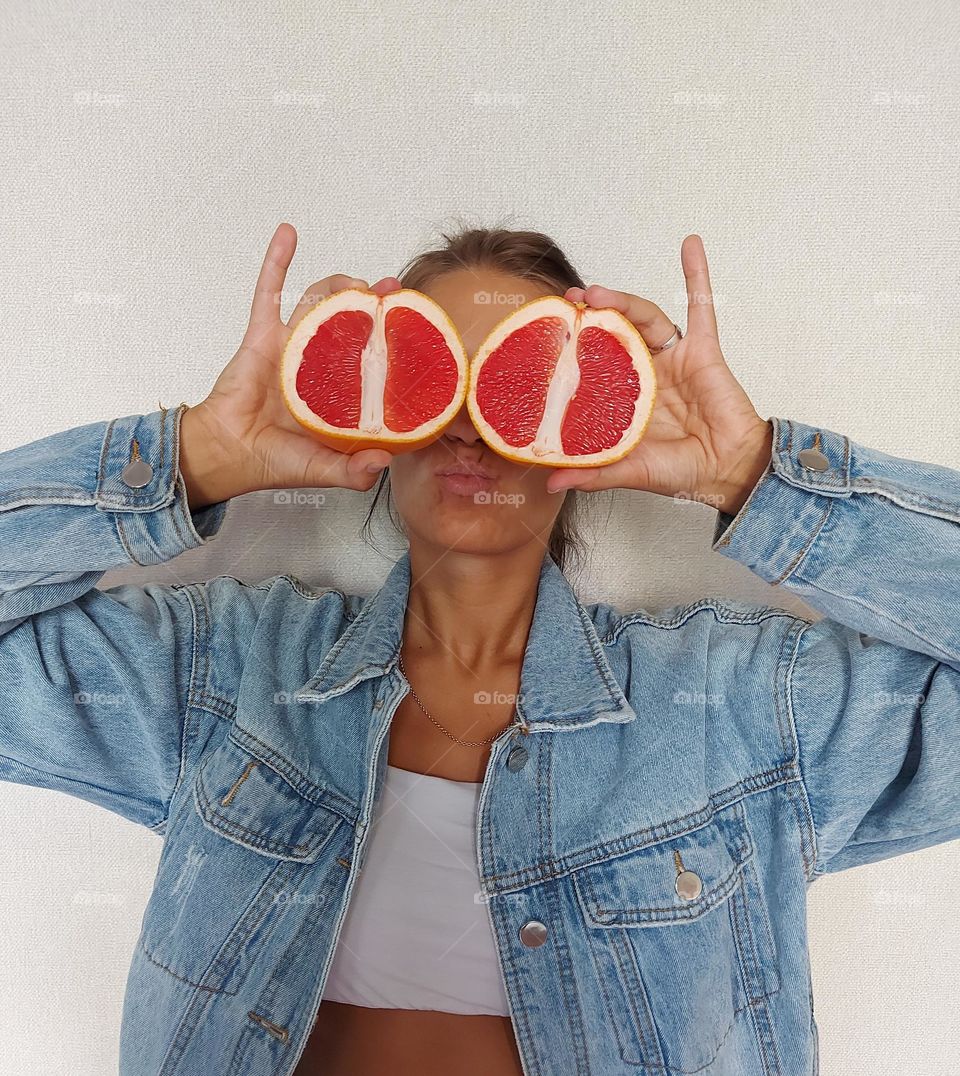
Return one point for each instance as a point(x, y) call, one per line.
point(242, 437)
point(704, 441)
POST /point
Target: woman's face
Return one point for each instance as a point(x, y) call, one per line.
point(512, 507)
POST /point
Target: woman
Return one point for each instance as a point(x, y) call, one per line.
point(491, 829)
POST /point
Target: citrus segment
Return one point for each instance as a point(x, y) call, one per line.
point(528, 356)
point(422, 372)
point(329, 377)
point(362, 370)
point(562, 384)
point(602, 408)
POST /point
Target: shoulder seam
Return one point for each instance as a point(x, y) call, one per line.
point(723, 613)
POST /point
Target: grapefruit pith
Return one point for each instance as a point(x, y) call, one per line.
point(362, 370)
point(562, 384)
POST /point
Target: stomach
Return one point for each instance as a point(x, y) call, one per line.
point(353, 1040)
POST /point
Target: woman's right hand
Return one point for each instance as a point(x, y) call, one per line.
point(242, 437)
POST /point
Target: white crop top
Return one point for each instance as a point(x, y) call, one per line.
point(416, 934)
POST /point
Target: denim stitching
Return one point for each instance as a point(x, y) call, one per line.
point(686, 612)
point(746, 949)
point(561, 950)
point(779, 775)
point(524, 1031)
point(814, 839)
point(608, 1004)
point(194, 1010)
point(276, 980)
point(599, 662)
point(806, 549)
point(187, 711)
point(805, 824)
point(888, 489)
point(124, 541)
point(786, 741)
point(318, 837)
point(711, 898)
point(180, 978)
point(104, 451)
point(621, 845)
point(321, 795)
point(617, 941)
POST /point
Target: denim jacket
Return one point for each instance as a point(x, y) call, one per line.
point(645, 859)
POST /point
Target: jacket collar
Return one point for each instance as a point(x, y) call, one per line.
point(566, 681)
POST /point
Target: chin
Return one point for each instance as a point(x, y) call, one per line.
point(478, 539)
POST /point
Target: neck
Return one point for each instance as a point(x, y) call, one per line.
point(476, 609)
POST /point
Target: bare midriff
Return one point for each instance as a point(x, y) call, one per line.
point(351, 1040)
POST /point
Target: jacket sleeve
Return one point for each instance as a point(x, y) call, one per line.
point(873, 689)
point(95, 684)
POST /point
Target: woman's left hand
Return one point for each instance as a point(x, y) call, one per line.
point(705, 441)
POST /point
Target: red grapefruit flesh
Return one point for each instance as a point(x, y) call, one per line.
point(367, 371)
point(562, 384)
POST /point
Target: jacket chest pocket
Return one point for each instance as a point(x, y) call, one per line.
point(681, 942)
point(243, 850)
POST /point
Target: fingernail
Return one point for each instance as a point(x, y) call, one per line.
point(375, 468)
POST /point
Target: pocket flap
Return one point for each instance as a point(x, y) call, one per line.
point(675, 880)
point(246, 801)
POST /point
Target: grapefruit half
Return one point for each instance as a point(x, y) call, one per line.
point(362, 370)
point(562, 384)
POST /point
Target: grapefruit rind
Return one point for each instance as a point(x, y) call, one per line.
point(606, 318)
point(354, 440)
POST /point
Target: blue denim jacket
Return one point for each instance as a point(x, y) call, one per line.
point(688, 773)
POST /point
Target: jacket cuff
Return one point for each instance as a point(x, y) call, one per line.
point(780, 519)
point(139, 479)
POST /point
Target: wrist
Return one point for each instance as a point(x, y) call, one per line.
point(736, 482)
point(209, 475)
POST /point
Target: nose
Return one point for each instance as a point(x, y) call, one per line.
point(462, 430)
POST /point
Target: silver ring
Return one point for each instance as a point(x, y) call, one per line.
point(672, 342)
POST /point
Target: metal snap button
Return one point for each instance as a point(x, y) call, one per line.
point(813, 460)
point(688, 885)
point(533, 933)
point(136, 474)
point(517, 758)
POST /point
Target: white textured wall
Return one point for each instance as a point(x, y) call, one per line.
point(150, 150)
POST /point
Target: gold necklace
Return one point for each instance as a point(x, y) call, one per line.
point(446, 732)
